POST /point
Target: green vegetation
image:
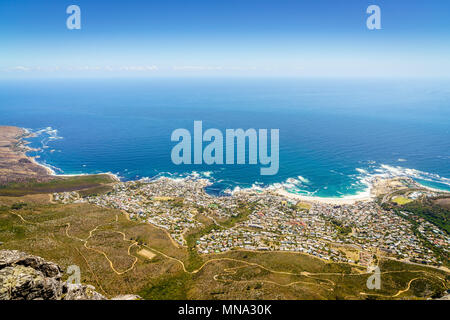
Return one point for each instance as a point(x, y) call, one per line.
point(95, 191)
point(303, 205)
point(342, 230)
point(243, 211)
point(430, 211)
point(53, 231)
point(441, 254)
point(11, 228)
point(194, 260)
point(433, 210)
point(177, 203)
point(18, 205)
point(425, 284)
point(59, 184)
point(168, 288)
point(401, 200)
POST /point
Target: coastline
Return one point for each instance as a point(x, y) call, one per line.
point(50, 171)
point(351, 199)
point(23, 144)
point(363, 196)
point(433, 189)
point(15, 165)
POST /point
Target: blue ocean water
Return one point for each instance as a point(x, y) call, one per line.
point(334, 133)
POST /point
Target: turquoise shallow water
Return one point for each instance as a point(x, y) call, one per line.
point(334, 134)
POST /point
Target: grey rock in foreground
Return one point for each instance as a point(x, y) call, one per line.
point(27, 277)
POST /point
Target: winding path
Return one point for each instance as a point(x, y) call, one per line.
point(228, 271)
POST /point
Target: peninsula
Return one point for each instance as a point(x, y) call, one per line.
point(15, 166)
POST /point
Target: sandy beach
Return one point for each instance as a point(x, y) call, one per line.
point(337, 201)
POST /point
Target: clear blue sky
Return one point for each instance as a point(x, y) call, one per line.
point(223, 38)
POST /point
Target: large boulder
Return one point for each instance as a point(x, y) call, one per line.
point(27, 277)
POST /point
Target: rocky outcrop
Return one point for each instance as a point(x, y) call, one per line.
point(445, 297)
point(81, 292)
point(27, 277)
point(15, 165)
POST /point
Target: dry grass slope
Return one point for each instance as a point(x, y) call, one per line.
point(105, 244)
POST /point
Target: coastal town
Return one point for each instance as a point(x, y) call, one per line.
point(266, 221)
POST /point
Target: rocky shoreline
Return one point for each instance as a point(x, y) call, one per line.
point(15, 165)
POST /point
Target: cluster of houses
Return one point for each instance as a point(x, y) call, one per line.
point(273, 223)
point(434, 235)
point(372, 227)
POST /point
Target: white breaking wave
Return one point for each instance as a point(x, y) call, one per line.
point(298, 185)
point(384, 171)
point(291, 185)
point(303, 179)
point(391, 171)
point(364, 179)
point(362, 171)
point(48, 134)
